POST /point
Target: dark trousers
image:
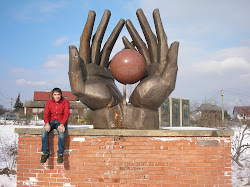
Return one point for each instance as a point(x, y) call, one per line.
point(61, 138)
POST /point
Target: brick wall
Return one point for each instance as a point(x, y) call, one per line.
point(126, 161)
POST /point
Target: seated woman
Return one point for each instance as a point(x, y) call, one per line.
point(56, 114)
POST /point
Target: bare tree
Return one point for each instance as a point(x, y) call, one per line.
point(241, 151)
point(238, 146)
point(9, 153)
point(2, 110)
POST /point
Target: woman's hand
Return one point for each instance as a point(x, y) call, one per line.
point(61, 128)
point(47, 127)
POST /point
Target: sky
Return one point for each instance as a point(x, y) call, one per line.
point(214, 51)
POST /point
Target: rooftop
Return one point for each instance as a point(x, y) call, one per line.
point(45, 96)
point(208, 107)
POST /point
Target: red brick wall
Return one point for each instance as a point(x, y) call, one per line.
point(127, 162)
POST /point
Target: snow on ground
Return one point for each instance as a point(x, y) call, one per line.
point(8, 139)
point(188, 128)
point(6, 181)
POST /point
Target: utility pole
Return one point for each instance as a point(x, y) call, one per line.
point(222, 107)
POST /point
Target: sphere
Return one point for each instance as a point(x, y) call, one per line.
point(128, 66)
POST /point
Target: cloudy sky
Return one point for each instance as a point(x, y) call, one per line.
point(214, 38)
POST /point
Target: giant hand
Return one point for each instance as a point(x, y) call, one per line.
point(90, 79)
point(161, 62)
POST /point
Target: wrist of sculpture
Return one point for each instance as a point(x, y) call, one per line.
point(125, 117)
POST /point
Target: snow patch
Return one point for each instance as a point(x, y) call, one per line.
point(189, 128)
point(68, 185)
point(79, 139)
point(6, 181)
point(33, 179)
point(67, 151)
point(227, 173)
point(80, 127)
point(162, 139)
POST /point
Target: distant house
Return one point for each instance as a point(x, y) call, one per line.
point(241, 112)
point(40, 98)
point(209, 114)
point(208, 107)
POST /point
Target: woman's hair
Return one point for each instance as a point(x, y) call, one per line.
point(56, 90)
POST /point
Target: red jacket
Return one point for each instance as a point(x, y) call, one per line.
point(56, 111)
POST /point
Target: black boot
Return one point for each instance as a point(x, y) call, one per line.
point(60, 159)
point(44, 158)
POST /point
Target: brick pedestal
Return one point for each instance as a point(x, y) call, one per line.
point(127, 158)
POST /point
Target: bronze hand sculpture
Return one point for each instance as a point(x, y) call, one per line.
point(161, 62)
point(90, 79)
point(92, 82)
